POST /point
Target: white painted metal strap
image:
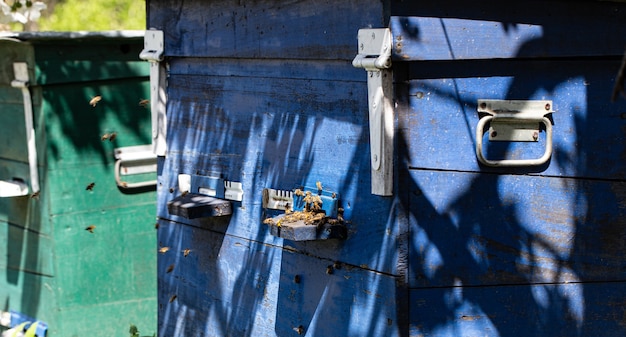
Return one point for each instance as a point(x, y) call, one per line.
point(374, 55)
point(21, 82)
point(153, 52)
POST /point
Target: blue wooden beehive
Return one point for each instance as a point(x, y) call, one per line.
point(477, 159)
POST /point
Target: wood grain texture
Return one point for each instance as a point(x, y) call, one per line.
point(537, 310)
point(279, 129)
point(449, 30)
point(318, 29)
point(443, 118)
point(229, 285)
point(485, 229)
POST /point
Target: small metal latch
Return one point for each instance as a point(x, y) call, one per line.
point(204, 196)
point(134, 160)
point(514, 121)
point(153, 52)
point(375, 57)
point(310, 214)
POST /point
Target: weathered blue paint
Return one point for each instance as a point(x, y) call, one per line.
point(264, 93)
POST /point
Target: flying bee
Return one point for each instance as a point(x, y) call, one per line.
point(299, 329)
point(186, 252)
point(90, 186)
point(94, 100)
point(173, 298)
point(90, 228)
point(35, 195)
point(163, 250)
point(112, 136)
point(170, 268)
point(156, 225)
point(105, 137)
point(144, 102)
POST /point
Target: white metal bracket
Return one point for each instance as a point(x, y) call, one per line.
point(514, 121)
point(21, 81)
point(375, 57)
point(131, 160)
point(153, 52)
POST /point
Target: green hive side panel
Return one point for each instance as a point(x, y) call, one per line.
point(74, 127)
point(108, 275)
point(80, 283)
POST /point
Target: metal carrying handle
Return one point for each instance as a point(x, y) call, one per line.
point(126, 185)
point(512, 162)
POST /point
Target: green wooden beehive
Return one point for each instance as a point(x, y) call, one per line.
point(80, 282)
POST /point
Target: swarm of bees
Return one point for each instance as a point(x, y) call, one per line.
point(311, 215)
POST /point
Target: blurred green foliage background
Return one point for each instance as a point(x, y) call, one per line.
point(92, 15)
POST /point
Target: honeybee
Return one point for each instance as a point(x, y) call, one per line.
point(173, 298)
point(112, 136)
point(90, 186)
point(124, 184)
point(299, 329)
point(184, 193)
point(94, 100)
point(156, 225)
point(170, 268)
point(105, 137)
point(298, 192)
point(90, 228)
point(144, 102)
point(35, 195)
point(319, 185)
point(330, 270)
point(163, 250)
point(186, 252)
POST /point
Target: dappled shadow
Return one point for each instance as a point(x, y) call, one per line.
point(518, 252)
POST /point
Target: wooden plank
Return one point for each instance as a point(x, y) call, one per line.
point(233, 286)
point(107, 319)
point(487, 229)
point(69, 61)
point(442, 118)
point(451, 30)
point(74, 128)
point(25, 251)
point(115, 263)
point(68, 190)
point(28, 293)
point(577, 309)
point(318, 29)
